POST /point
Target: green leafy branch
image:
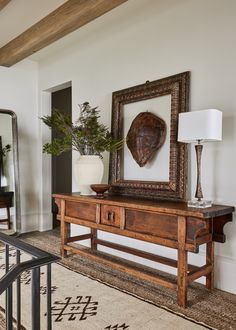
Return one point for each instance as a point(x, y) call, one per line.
point(87, 135)
point(5, 150)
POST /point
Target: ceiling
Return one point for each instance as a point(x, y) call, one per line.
point(18, 15)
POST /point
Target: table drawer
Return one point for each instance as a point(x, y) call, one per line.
point(150, 223)
point(83, 211)
point(112, 215)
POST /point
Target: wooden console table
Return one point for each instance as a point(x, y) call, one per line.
point(6, 198)
point(171, 224)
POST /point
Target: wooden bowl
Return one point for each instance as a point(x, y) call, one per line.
point(100, 189)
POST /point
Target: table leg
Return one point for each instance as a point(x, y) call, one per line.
point(182, 276)
point(182, 281)
point(210, 260)
point(93, 238)
point(64, 236)
point(64, 230)
point(8, 218)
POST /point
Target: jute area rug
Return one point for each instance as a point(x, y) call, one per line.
point(213, 310)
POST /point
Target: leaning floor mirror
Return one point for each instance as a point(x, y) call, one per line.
point(10, 215)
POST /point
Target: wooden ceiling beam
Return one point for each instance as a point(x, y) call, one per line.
point(3, 3)
point(67, 18)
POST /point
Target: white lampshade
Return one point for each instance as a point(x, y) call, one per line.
point(3, 181)
point(204, 125)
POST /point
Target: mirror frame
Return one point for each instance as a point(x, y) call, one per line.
point(15, 151)
point(177, 86)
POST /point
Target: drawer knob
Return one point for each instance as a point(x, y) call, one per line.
point(110, 216)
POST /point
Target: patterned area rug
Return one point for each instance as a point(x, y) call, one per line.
point(214, 310)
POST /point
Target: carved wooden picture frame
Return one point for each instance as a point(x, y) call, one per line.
point(174, 188)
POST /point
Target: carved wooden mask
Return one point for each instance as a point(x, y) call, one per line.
point(146, 135)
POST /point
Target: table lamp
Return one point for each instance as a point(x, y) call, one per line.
point(3, 183)
point(197, 127)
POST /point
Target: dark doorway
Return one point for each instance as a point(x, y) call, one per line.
point(62, 164)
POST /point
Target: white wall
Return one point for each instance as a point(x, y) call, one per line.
point(148, 40)
point(19, 93)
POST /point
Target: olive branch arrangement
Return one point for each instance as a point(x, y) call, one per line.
point(5, 150)
point(87, 135)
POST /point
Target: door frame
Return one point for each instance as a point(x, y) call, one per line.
point(45, 215)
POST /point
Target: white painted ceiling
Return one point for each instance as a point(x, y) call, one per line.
point(19, 15)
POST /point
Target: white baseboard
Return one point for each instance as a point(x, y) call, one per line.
point(29, 222)
point(36, 222)
point(45, 222)
point(225, 270)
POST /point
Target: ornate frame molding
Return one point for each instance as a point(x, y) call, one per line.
point(178, 87)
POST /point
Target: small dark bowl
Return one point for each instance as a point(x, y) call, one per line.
point(100, 189)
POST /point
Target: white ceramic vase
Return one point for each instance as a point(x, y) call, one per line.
point(88, 170)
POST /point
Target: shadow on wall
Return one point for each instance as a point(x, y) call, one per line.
point(31, 183)
point(229, 128)
point(224, 158)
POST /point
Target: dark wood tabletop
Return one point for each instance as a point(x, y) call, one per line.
point(171, 207)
